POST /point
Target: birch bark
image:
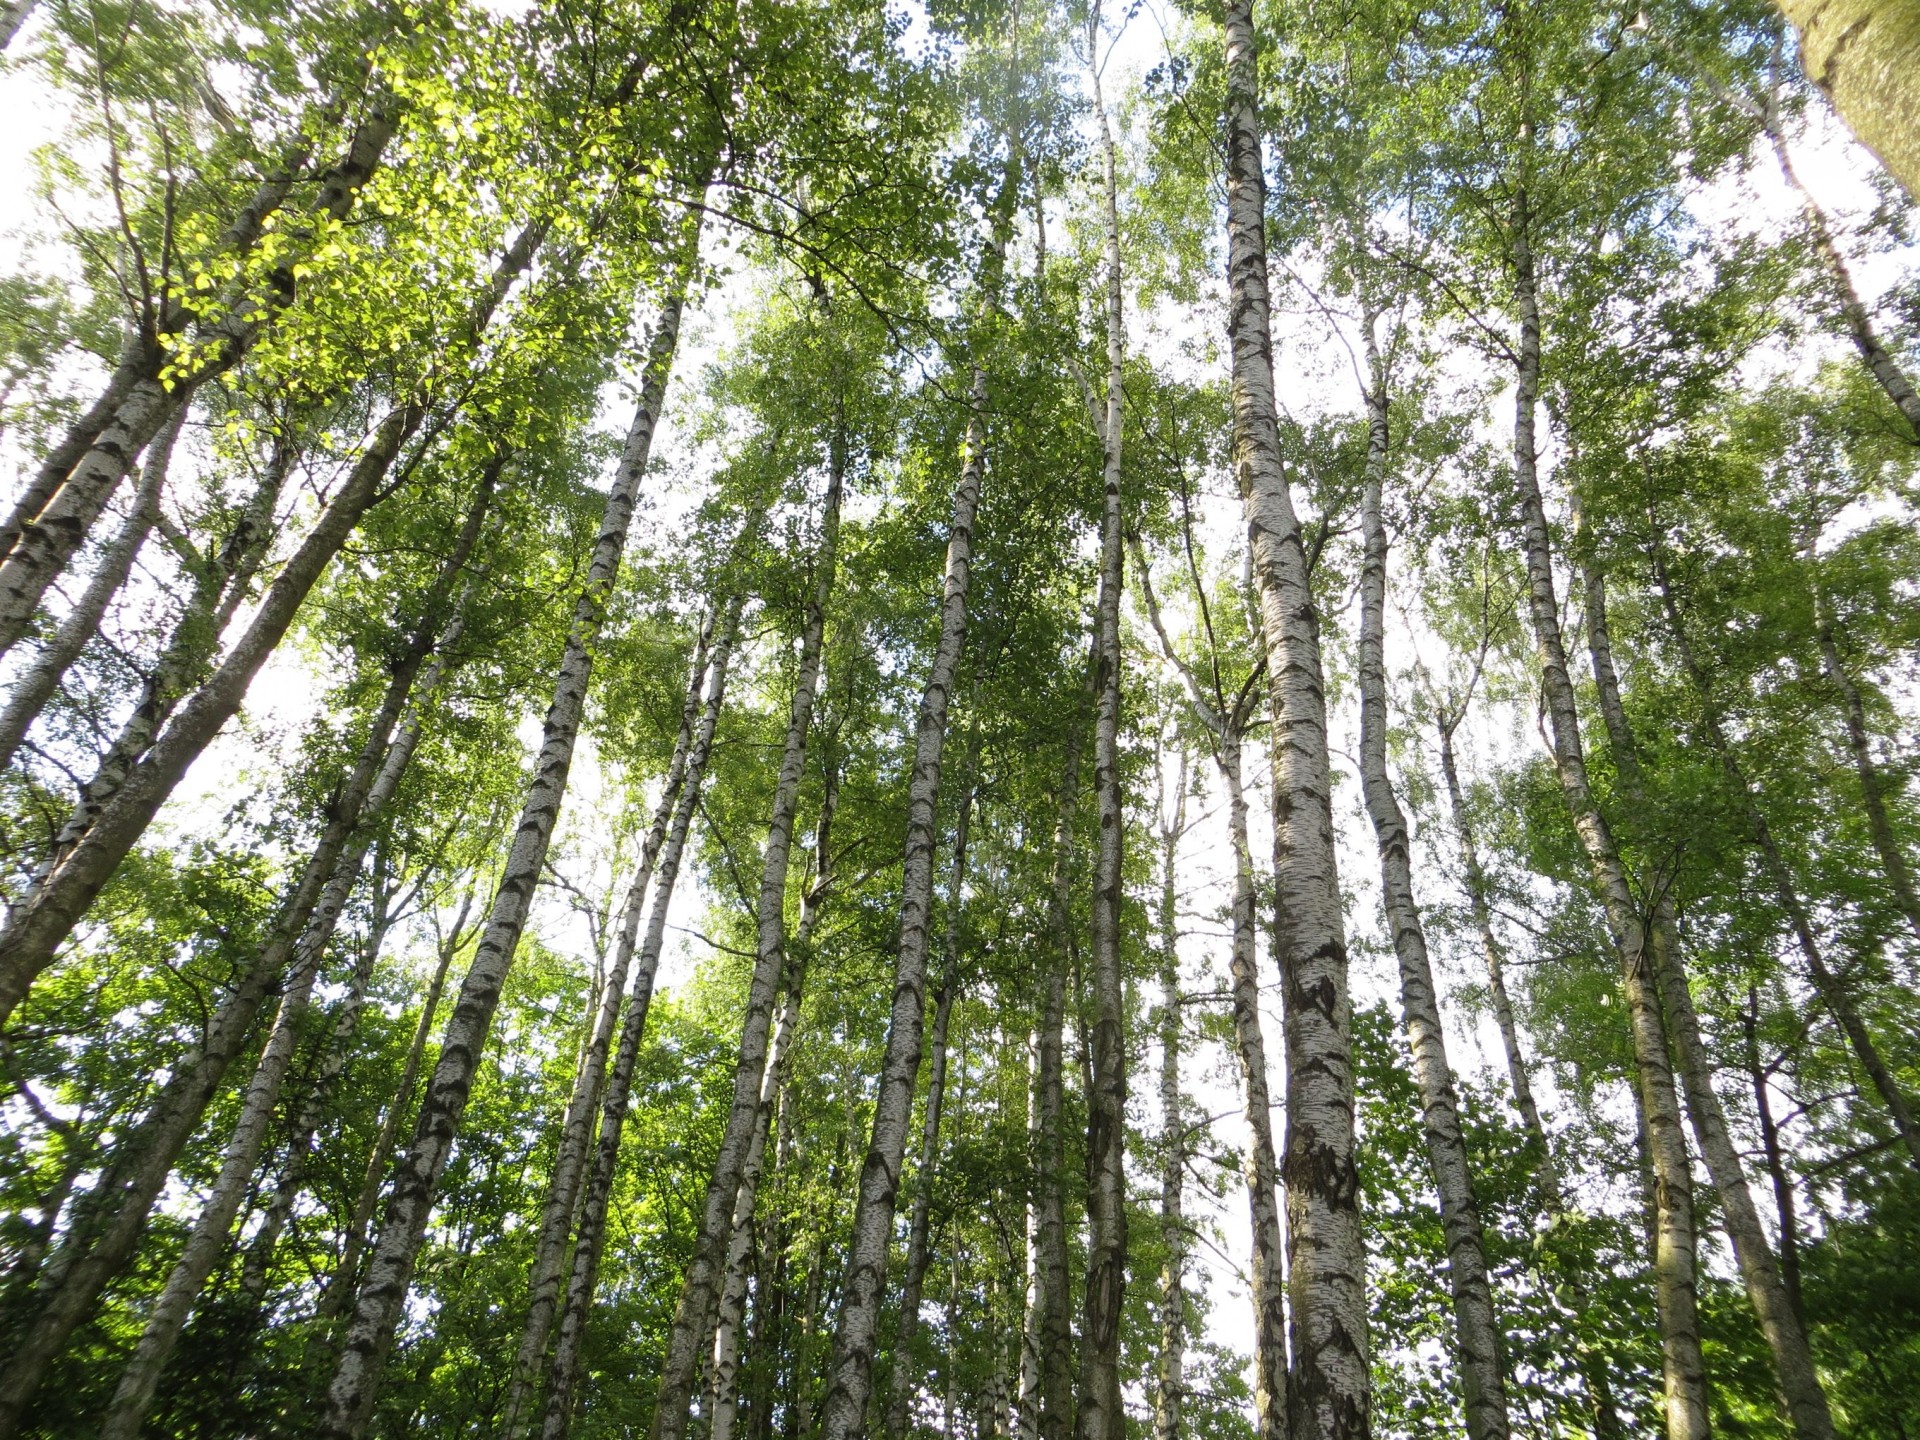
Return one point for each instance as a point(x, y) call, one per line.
point(1329, 1385)
point(1482, 1370)
point(356, 1380)
point(1675, 1262)
point(1865, 57)
point(37, 683)
point(564, 1369)
point(692, 1321)
point(850, 1378)
point(1170, 1381)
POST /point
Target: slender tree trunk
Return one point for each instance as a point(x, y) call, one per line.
point(220, 586)
point(740, 1246)
point(126, 1193)
point(1784, 1203)
point(337, 1295)
point(1170, 1379)
point(1482, 1370)
point(1865, 57)
point(355, 1386)
point(564, 1370)
point(1873, 787)
point(39, 681)
point(1832, 989)
point(901, 1385)
point(1873, 351)
point(1675, 1261)
point(1546, 1170)
point(1329, 1387)
point(576, 1129)
point(1794, 1372)
point(692, 1320)
point(1101, 1416)
point(47, 543)
point(850, 1377)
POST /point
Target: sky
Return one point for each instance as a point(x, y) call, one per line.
point(1311, 368)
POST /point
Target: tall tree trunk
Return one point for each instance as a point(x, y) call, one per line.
point(564, 1370)
point(850, 1377)
point(1101, 1416)
point(126, 1193)
point(1482, 1370)
point(692, 1321)
point(740, 1246)
point(576, 1128)
point(1675, 1261)
point(1879, 361)
point(1794, 1373)
point(35, 931)
point(1170, 1378)
point(1329, 1389)
point(39, 681)
point(1546, 1169)
point(901, 1383)
point(1833, 991)
point(221, 584)
point(1865, 57)
point(356, 1380)
point(337, 1294)
point(1048, 1321)
point(12, 17)
point(1784, 1203)
point(47, 542)
point(1873, 787)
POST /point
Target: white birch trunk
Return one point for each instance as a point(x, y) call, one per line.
point(1170, 1379)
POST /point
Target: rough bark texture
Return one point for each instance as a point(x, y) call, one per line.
point(1675, 1262)
point(577, 1126)
point(1481, 1369)
point(563, 1372)
point(901, 1384)
point(692, 1321)
point(1170, 1370)
point(1101, 1416)
point(355, 1385)
point(12, 17)
point(1329, 1384)
point(1865, 57)
point(209, 1237)
point(37, 683)
point(850, 1378)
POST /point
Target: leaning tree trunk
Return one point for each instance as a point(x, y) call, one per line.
point(97, 1251)
point(576, 1128)
point(47, 542)
point(1170, 1379)
point(901, 1386)
point(1865, 57)
point(692, 1319)
point(1794, 1372)
point(564, 1369)
point(1675, 1261)
point(1101, 1416)
point(1879, 361)
point(39, 681)
point(1873, 787)
point(36, 931)
point(1833, 991)
point(1481, 1369)
point(356, 1380)
point(850, 1377)
point(1329, 1387)
point(208, 1240)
